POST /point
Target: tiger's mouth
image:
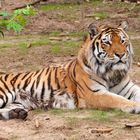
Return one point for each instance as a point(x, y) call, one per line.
point(121, 62)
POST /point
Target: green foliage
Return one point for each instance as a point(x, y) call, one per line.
point(17, 20)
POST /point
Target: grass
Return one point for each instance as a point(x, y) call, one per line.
point(101, 15)
point(99, 115)
point(73, 117)
point(56, 47)
point(96, 3)
point(57, 6)
point(39, 111)
point(56, 111)
point(52, 7)
point(68, 12)
point(62, 112)
point(55, 50)
point(64, 47)
point(106, 116)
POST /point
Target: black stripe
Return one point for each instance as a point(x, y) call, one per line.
point(51, 94)
point(97, 44)
point(27, 81)
point(72, 77)
point(131, 95)
point(32, 89)
point(18, 86)
point(14, 79)
point(7, 88)
point(74, 71)
point(96, 90)
point(4, 94)
point(43, 91)
point(124, 87)
point(77, 84)
point(36, 72)
point(85, 63)
point(2, 90)
point(49, 80)
point(38, 78)
point(25, 75)
point(6, 76)
point(97, 82)
point(56, 78)
point(4, 104)
point(17, 103)
point(128, 90)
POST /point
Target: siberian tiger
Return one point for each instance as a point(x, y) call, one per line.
point(97, 78)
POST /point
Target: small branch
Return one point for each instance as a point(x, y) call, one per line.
point(37, 123)
point(29, 4)
point(101, 130)
point(130, 125)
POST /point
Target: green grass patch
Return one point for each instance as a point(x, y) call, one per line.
point(55, 33)
point(104, 116)
point(39, 111)
point(62, 111)
point(56, 111)
point(100, 115)
point(97, 115)
point(40, 42)
point(57, 47)
point(57, 6)
point(101, 15)
point(73, 116)
point(96, 3)
point(64, 47)
point(56, 50)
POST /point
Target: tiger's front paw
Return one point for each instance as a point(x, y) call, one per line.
point(134, 109)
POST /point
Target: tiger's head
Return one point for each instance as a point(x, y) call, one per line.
point(107, 51)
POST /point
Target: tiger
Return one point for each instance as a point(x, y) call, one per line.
point(97, 78)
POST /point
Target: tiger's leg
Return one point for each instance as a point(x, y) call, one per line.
point(13, 111)
point(130, 91)
point(105, 100)
point(63, 100)
point(20, 107)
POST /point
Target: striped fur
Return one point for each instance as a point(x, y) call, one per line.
point(97, 78)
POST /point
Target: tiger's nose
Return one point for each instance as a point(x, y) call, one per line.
point(120, 55)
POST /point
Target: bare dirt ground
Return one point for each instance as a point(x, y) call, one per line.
point(59, 22)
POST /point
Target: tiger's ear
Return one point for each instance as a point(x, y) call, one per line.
point(124, 25)
point(93, 30)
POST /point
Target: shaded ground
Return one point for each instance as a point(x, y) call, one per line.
point(53, 36)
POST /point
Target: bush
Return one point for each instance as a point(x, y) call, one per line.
point(16, 20)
